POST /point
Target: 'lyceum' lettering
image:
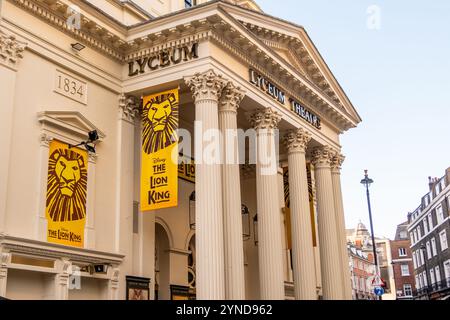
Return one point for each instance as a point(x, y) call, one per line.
point(162, 59)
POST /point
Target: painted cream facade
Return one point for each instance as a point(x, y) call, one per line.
point(216, 89)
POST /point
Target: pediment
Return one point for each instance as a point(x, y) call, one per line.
point(291, 43)
point(72, 122)
point(294, 51)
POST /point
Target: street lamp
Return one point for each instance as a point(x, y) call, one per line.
point(424, 250)
point(367, 182)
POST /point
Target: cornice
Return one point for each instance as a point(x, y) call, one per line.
point(219, 26)
point(293, 86)
point(294, 45)
point(155, 43)
point(55, 13)
point(43, 249)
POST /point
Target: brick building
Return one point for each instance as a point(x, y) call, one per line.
point(362, 272)
point(429, 231)
point(402, 264)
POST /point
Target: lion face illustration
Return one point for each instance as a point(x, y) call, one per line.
point(68, 174)
point(66, 186)
point(159, 118)
point(159, 114)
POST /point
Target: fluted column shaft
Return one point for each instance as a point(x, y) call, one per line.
point(270, 248)
point(302, 245)
point(232, 216)
point(340, 224)
point(210, 279)
point(328, 239)
point(11, 53)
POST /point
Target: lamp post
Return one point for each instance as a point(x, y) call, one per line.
point(367, 182)
point(425, 255)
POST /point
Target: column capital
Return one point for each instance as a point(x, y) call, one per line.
point(5, 257)
point(92, 157)
point(45, 139)
point(297, 140)
point(322, 156)
point(115, 274)
point(127, 108)
point(10, 50)
point(231, 98)
point(336, 161)
point(264, 118)
point(206, 86)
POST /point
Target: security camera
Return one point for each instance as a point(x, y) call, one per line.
point(100, 268)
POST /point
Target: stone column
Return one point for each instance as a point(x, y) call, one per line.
point(232, 215)
point(124, 197)
point(4, 260)
point(41, 219)
point(11, 52)
point(302, 245)
point(270, 247)
point(89, 232)
point(329, 249)
point(336, 165)
point(62, 280)
point(113, 284)
point(206, 89)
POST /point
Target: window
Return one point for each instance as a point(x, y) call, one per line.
point(407, 290)
point(427, 200)
point(402, 252)
point(430, 221)
point(411, 236)
point(425, 226)
point(432, 278)
point(417, 282)
point(422, 257)
point(433, 247)
point(438, 189)
point(437, 271)
point(417, 258)
point(444, 244)
point(447, 270)
point(414, 260)
point(405, 270)
point(429, 254)
point(440, 214)
point(362, 284)
point(419, 232)
point(420, 281)
point(403, 235)
point(189, 3)
point(424, 277)
point(415, 236)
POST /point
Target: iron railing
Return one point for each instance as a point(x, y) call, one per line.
point(433, 288)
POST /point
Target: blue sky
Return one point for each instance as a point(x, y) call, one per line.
point(398, 78)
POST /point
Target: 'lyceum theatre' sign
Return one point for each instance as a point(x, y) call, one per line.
point(277, 94)
point(163, 59)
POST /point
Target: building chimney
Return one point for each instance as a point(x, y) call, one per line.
point(430, 183)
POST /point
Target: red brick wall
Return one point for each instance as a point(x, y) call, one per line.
point(399, 279)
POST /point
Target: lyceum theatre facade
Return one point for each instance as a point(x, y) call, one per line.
point(119, 220)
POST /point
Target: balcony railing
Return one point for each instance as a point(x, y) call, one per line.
point(433, 288)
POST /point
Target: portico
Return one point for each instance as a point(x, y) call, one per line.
point(236, 70)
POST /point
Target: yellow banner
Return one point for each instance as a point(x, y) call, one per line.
point(66, 195)
point(159, 174)
point(186, 169)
